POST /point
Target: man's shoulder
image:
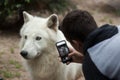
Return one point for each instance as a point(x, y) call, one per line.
point(102, 33)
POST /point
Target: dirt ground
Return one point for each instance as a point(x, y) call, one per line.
point(10, 60)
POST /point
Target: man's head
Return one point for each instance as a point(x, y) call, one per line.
point(77, 25)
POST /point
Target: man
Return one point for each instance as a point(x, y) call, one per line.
point(100, 46)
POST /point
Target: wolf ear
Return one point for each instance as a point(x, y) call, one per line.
point(27, 17)
point(53, 21)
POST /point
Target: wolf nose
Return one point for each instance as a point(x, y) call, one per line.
point(24, 53)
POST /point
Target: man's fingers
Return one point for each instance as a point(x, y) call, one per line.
point(59, 59)
point(71, 50)
point(67, 63)
point(70, 55)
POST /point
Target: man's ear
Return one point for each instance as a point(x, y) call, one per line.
point(77, 45)
point(77, 42)
point(53, 22)
point(27, 17)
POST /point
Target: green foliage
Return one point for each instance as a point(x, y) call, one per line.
point(118, 12)
point(8, 7)
point(11, 10)
point(56, 5)
point(9, 74)
point(15, 63)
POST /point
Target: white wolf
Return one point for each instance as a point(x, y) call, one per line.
point(38, 38)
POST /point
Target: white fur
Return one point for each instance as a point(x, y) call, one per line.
point(41, 61)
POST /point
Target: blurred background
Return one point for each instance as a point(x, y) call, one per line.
point(11, 20)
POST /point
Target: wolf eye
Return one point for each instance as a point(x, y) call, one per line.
point(38, 38)
point(25, 37)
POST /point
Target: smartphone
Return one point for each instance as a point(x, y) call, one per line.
point(63, 51)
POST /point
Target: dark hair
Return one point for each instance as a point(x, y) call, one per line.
point(77, 25)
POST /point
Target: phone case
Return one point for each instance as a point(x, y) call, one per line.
point(63, 51)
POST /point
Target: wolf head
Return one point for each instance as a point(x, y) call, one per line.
point(37, 34)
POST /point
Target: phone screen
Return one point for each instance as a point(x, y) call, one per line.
point(63, 51)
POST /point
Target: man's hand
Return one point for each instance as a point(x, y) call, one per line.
point(76, 56)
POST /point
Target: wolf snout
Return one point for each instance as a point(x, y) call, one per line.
point(24, 53)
